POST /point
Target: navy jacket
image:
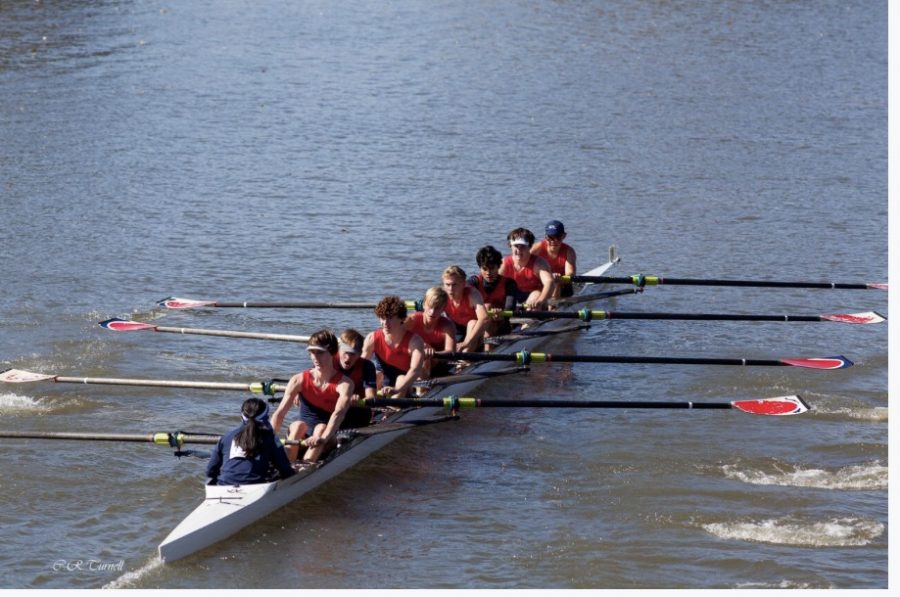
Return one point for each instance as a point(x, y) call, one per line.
point(227, 469)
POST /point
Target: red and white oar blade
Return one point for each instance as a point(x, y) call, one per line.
point(182, 303)
point(878, 286)
point(22, 376)
point(867, 317)
point(782, 405)
point(124, 325)
point(838, 362)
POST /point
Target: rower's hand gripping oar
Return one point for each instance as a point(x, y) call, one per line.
point(590, 315)
point(524, 358)
point(779, 406)
point(640, 280)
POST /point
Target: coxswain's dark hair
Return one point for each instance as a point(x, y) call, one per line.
point(488, 257)
point(255, 413)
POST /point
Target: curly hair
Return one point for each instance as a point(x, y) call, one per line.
point(391, 306)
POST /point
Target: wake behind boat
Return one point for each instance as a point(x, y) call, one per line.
point(228, 509)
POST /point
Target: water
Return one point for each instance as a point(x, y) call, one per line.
point(342, 151)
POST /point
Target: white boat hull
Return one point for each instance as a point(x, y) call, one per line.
point(228, 509)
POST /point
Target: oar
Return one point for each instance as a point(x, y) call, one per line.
point(21, 376)
point(588, 315)
point(782, 405)
point(124, 325)
point(174, 439)
point(525, 358)
point(184, 303)
point(642, 280)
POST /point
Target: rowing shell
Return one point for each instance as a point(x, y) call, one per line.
point(228, 509)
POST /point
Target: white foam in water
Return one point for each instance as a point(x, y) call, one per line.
point(869, 476)
point(837, 532)
point(15, 404)
point(128, 579)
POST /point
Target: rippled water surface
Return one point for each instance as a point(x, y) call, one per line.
point(345, 150)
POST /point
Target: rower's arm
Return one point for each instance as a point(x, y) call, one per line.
point(290, 394)
point(570, 261)
point(473, 337)
point(417, 361)
point(449, 335)
point(549, 284)
point(345, 394)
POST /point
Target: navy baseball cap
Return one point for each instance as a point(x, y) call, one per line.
point(554, 228)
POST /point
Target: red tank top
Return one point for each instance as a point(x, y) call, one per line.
point(496, 298)
point(434, 337)
point(325, 398)
point(525, 278)
point(558, 263)
point(464, 312)
point(397, 356)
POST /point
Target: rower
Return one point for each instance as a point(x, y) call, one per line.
point(558, 254)
point(437, 331)
point(323, 394)
point(246, 454)
point(398, 353)
point(361, 372)
point(531, 272)
point(465, 308)
point(498, 292)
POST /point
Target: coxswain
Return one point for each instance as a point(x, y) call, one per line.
point(558, 254)
point(323, 394)
point(400, 354)
point(436, 330)
point(498, 292)
point(361, 372)
point(532, 273)
point(247, 454)
point(465, 308)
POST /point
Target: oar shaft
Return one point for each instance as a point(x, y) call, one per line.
point(147, 438)
point(255, 387)
point(173, 439)
point(589, 315)
point(780, 406)
point(157, 383)
point(523, 358)
point(232, 334)
point(464, 402)
point(641, 280)
point(293, 305)
point(185, 303)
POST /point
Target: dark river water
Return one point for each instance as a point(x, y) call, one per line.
point(340, 151)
